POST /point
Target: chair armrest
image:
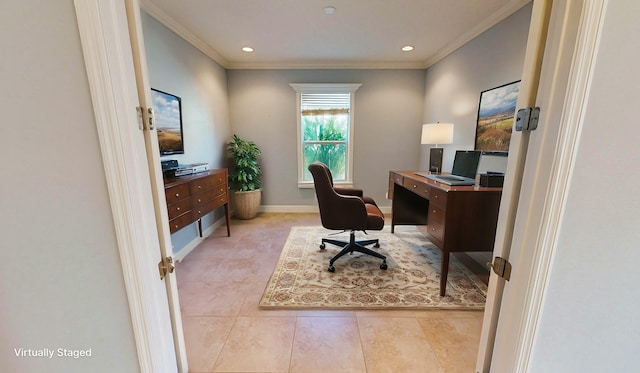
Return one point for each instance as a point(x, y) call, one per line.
point(346, 212)
point(348, 191)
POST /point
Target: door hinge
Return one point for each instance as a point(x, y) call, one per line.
point(166, 266)
point(527, 119)
point(140, 118)
point(501, 267)
point(145, 118)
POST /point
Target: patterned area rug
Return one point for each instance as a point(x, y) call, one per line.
point(301, 280)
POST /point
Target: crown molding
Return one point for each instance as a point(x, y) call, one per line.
point(162, 17)
point(504, 12)
point(183, 32)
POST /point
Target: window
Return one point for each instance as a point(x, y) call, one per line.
point(325, 130)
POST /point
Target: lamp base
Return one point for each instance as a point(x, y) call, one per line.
point(435, 160)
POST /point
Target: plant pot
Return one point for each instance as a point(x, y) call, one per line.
point(246, 204)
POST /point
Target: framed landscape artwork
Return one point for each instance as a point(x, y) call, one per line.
point(168, 117)
point(495, 118)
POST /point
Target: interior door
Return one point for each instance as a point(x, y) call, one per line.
point(518, 149)
point(155, 174)
point(547, 164)
point(106, 44)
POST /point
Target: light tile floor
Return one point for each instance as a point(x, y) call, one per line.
point(220, 284)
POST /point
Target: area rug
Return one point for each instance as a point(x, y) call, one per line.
point(412, 280)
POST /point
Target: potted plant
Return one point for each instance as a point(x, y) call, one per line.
point(244, 177)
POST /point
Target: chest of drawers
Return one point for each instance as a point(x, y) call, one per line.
point(191, 197)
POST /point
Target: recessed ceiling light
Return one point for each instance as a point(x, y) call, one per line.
point(329, 10)
point(407, 48)
point(247, 49)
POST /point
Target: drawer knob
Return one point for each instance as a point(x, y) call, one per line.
point(177, 194)
point(178, 208)
point(414, 186)
point(434, 211)
point(433, 229)
point(199, 186)
point(199, 200)
point(176, 226)
point(436, 196)
point(199, 212)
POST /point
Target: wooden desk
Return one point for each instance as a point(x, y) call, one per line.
point(458, 218)
point(190, 197)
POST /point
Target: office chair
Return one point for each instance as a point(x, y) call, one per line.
point(346, 209)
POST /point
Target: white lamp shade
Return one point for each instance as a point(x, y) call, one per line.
point(437, 133)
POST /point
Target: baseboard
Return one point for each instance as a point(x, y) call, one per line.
point(305, 208)
point(180, 255)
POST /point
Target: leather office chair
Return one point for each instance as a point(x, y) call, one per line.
point(346, 209)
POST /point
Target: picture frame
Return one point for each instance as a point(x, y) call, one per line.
point(168, 118)
point(496, 112)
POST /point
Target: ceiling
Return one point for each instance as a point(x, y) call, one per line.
point(288, 34)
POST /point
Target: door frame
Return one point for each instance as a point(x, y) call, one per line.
point(573, 37)
point(107, 49)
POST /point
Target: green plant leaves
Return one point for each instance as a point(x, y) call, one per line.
point(245, 175)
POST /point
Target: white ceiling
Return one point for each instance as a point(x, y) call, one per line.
point(298, 34)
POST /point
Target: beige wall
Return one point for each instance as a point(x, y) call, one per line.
point(453, 85)
point(176, 67)
point(61, 283)
point(388, 118)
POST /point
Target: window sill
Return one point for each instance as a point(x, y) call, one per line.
point(309, 184)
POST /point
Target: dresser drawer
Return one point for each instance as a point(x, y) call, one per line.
point(207, 195)
point(421, 189)
point(203, 209)
point(206, 183)
point(178, 208)
point(436, 230)
point(180, 222)
point(438, 197)
point(176, 193)
point(435, 214)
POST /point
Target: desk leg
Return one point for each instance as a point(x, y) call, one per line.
point(226, 214)
point(444, 272)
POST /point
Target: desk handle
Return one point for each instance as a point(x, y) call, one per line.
point(414, 186)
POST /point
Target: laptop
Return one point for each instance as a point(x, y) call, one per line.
point(465, 167)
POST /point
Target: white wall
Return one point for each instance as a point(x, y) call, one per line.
point(589, 319)
point(178, 68)
point(453, 85)
point(61, 283)
point(388, 121)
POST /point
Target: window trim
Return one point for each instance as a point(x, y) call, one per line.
point(350, 88)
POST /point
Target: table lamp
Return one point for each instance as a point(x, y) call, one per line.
point(436, 133)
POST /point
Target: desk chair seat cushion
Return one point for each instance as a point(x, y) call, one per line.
point(375, 218)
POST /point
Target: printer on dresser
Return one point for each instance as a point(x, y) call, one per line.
point(190, 197)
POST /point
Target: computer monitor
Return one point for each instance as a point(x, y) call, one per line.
point(465, 163)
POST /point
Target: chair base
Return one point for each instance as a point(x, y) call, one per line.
point(351, 246)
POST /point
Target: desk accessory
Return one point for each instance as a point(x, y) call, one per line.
point(436, 133)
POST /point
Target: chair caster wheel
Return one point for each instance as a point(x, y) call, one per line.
point(377, 245)
point(322, 246)
point(383, 266)
point(331, 269)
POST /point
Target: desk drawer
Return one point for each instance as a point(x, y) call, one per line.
point(416, 187)
point(177, 193)
point(438, 197)
point(436, 230)
point(436, 214)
